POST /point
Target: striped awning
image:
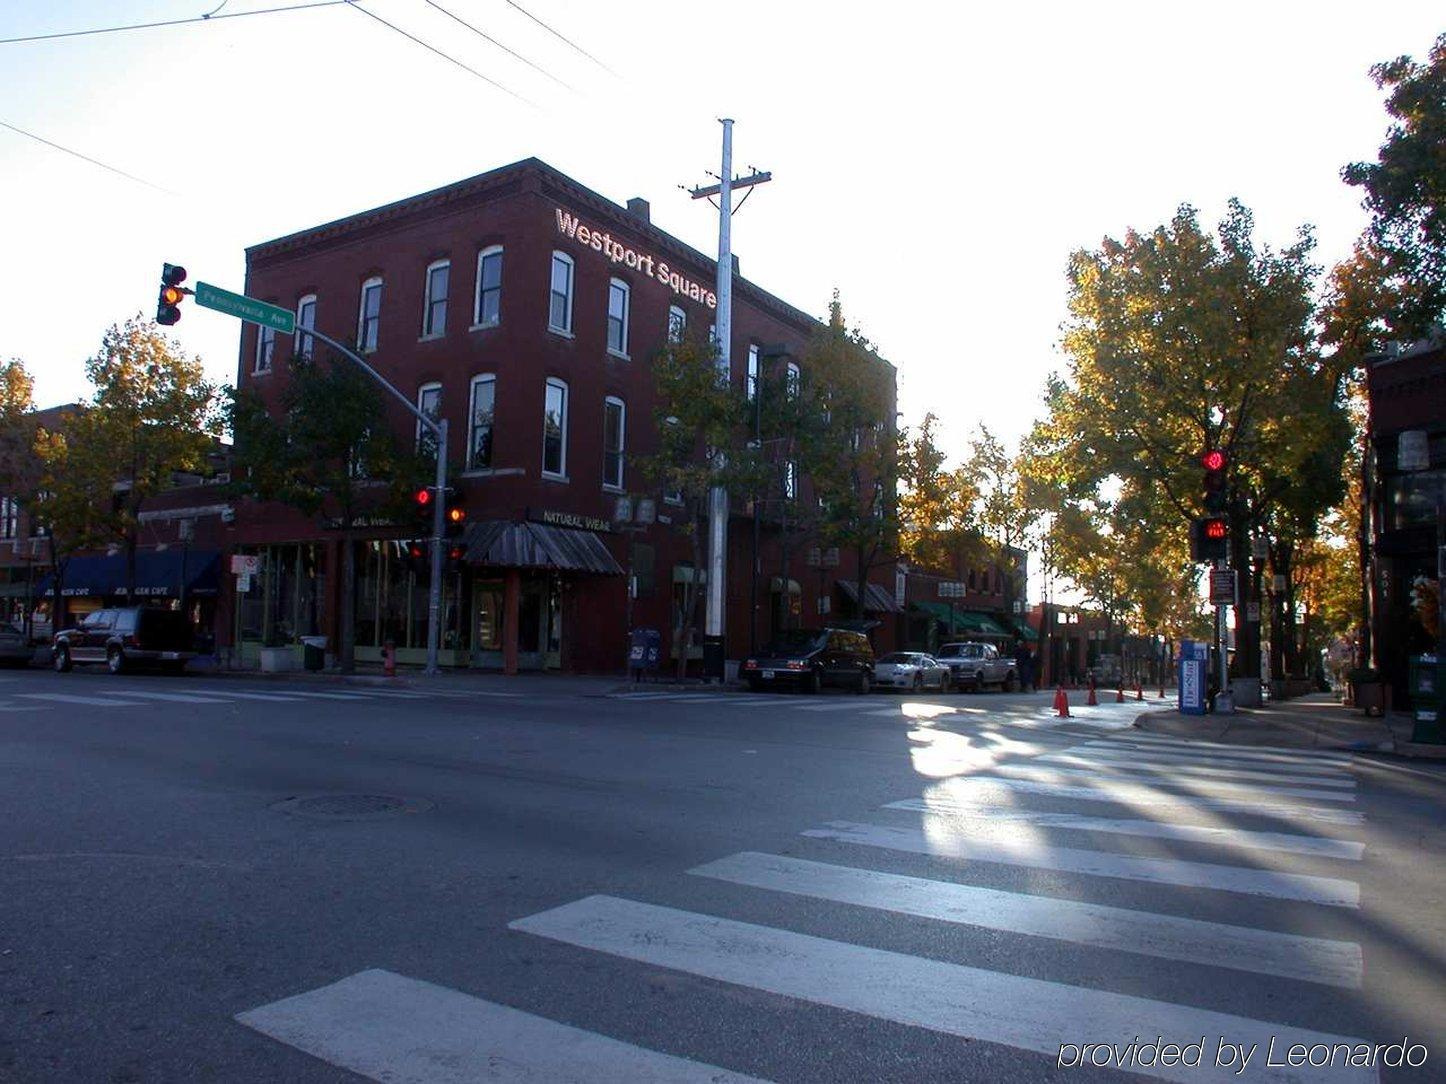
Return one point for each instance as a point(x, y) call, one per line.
point(876, 599)
point(508, 544)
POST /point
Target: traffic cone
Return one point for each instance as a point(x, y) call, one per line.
point(1139, 691)
point(1061, 702)
point(1091, 701)
point(1120, 695)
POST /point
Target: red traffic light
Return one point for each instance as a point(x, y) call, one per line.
point(1215, 529)
point(1214, 459)
point(423, 497)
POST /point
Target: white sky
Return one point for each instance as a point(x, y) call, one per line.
point(937, 162)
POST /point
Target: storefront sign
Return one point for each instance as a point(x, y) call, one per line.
point(569, 519)
point(335, 523)
point(619, 253)
point(245, 564)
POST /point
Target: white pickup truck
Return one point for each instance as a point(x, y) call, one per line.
point(974, 666)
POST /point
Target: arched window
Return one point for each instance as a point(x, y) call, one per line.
point(429, 402)
point(559, 309)
point(304, 345)
point(677, 323)
point(369, 317)
point(488, 309)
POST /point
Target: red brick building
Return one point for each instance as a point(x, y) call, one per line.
point(525, 309)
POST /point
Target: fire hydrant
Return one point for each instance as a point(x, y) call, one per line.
point(389, 658)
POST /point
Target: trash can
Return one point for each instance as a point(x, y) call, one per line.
point(713, 658)
point(313, 652)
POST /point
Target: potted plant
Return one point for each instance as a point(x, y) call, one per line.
point(1367, 690)
point(277, 657)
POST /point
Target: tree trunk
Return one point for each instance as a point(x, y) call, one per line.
point(346, 634)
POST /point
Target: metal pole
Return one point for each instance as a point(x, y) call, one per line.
point(1224, 701)
point(438, 427)
point(713, 624)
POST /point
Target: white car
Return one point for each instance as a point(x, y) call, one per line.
point(911, 670)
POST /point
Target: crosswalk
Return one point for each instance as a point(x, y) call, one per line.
point(1103, 847)
point(120, 695)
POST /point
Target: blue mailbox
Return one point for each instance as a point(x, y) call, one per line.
point(1194, 662)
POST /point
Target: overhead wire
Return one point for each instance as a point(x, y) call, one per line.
point(445, 56)
point(488, 37)
point(88, 158)
point(211, 18)
point(562, 37)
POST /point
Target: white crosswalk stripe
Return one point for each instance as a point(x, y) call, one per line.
point(1193, 833)
point(1111, 752)
point(1028, 1013)
point(234, 694)
point(175, 698)
point(1193, 771)
point(1026, 851)
point(392, 1028)
point(1154, 741)
point(87, 701)
point(1192, 787)
point(1334, 963)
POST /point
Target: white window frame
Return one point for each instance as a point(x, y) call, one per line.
point(265, 351)
point(479, 379)
point(750, 377)
point(565, 259)
point(303, 344)
point(610, 483)
point(428, 301)
point(561, 472)
point(792, 380)
point(422, 390)
point(677, 323)
point(361, 319)
point(477, 321)
point(9, 518)
point(790, 479)
point(627, 295)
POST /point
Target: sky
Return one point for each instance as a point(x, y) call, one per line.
point(936, 163)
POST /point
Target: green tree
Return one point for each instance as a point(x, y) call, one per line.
point(703, 443)
point(1005, 514)
point(328, 452)
point(153, 414)
point(1405, 190)
point(71, 496)
point(935, 504)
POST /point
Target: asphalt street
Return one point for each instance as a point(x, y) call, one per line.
point(224, 879)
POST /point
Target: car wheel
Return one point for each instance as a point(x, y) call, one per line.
point(1011, 683)
point(61, 659)
point(811, 684)
point(115, 661)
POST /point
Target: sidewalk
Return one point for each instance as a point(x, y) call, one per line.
point(1317, 721)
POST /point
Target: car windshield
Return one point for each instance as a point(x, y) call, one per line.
point(901, 658)
point(792, 642)
point(954, 651)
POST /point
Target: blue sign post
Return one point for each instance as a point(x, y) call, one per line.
point(1194, 660)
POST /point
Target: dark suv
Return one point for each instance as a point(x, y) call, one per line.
point(135, 636)
point(808, 659)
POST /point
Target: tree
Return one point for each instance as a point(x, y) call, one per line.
point(1405, 190)
point(328, 452)
point(70, 498)
point(702, 444)
point(1003, 511)
point(935, 505)
point(153, 414)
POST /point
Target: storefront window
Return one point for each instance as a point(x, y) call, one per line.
point(1412, 498)
point(282, 601)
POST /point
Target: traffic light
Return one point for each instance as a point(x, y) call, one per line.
point(1214, 462)
point(168, 305)
point(1209, 538)
point(455, 516)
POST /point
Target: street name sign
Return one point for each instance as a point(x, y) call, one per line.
point(248, 308)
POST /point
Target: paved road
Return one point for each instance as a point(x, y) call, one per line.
point(223, 879)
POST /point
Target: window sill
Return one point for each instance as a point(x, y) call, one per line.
point(560, 332)
point(495, 472)
point(260, 372)
point(618, 354)
point(432, 338)
point(607, 488)
point(548, 476)
point(484, 327)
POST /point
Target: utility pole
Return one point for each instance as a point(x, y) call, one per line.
point(713, 622)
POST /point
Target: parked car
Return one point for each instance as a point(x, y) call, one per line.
point(974, 666)
point(808, 659)
point(131, 637)
point(15, 649)
point(912, 670)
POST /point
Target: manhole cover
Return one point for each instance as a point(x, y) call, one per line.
point(350, 807)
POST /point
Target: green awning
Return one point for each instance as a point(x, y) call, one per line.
point(970, 621)
point(1026, 632)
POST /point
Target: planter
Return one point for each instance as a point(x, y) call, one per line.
point(278, 660)
point(1245, 692)
point(1371, 697)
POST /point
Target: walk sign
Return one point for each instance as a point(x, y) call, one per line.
point(248, 308)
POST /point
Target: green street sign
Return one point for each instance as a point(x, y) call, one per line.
point(248, 308)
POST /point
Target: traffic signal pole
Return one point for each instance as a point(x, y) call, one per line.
point(438, 428)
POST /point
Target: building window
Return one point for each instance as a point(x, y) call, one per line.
point(38, 526)
point(265, 350)
point(429, 402)
point(479, 435)
point(618, 301)
point(370, 317)
point(559, 313)
point(790, 480)
point(614, 434)
point(677, 323)
point(750, 380)
point(305, 345)
point(489, 287)
point(9, 518)
point(434, 311)
point(554, 429)
point(792, 380)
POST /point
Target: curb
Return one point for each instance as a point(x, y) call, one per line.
point(1412, 750)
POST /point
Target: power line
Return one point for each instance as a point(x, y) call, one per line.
point(87, 158)
point(562, 37)
point(172, 22)
point(433, 49)
point(494, 41)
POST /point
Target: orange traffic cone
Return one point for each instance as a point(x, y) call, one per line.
point(1139, 691)
point(1120, 695)
point(1091, 701)
point(1061, 702)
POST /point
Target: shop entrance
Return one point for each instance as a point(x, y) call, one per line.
point(539, 623)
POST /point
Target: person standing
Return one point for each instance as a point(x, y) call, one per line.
point(1024, 665)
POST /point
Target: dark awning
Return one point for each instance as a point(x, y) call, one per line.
point(876, 598)
point(506, 544)
point(158, 575)
point(1025, 630)
point(971, 621)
